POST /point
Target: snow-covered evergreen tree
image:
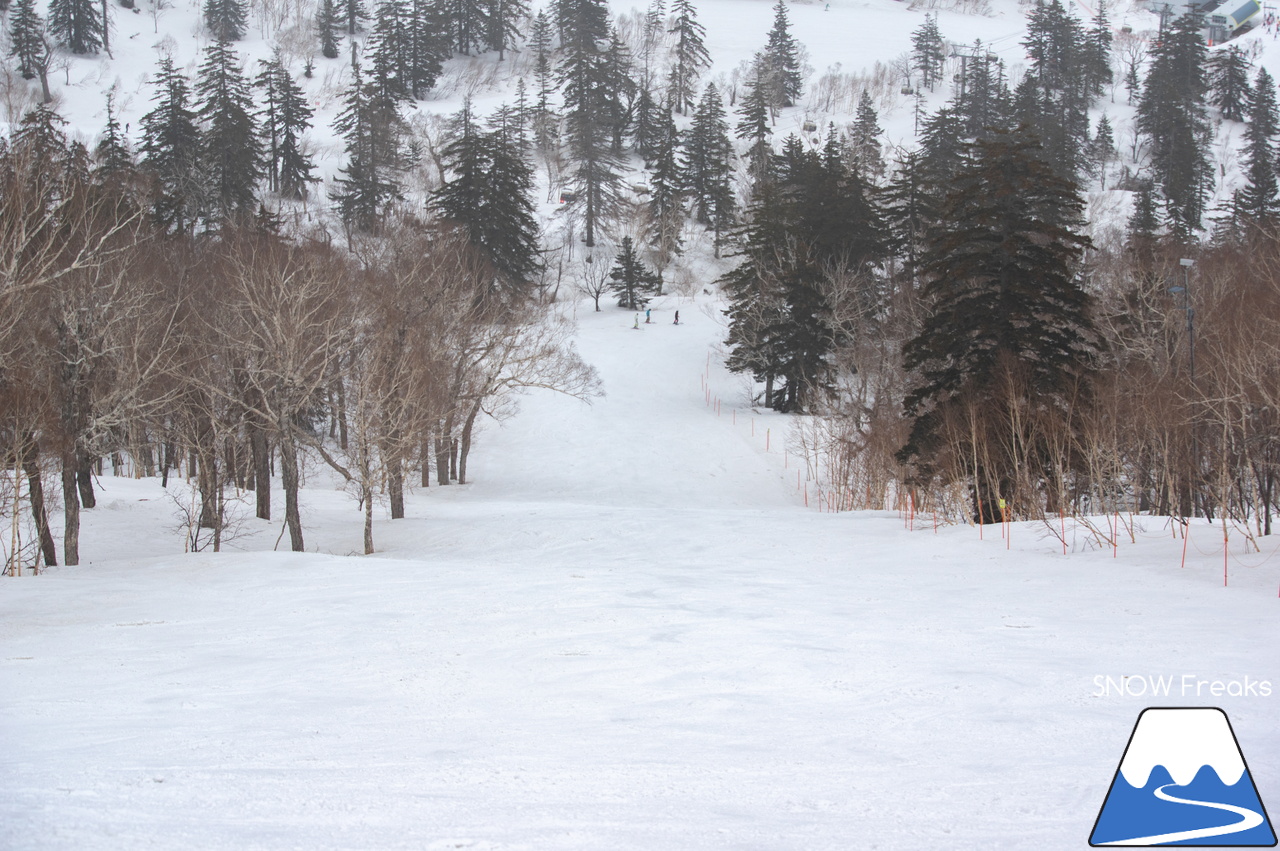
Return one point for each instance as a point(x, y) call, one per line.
point(782, 59)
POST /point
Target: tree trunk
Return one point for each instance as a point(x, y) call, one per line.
point(261, 470)
point(289, 478)
point(395, 486)
point(35, 485)
point(453, 458)
point(84, 480)
point(367, 496)
point(70, 510)
point(442, 451)
point(426, 462)
point(466, 442)
point(342, 417)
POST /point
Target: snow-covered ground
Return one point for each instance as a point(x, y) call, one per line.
point(628, 633)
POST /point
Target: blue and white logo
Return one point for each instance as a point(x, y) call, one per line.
point(1183, 781)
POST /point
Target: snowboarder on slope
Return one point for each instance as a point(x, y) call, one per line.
point(677, 322)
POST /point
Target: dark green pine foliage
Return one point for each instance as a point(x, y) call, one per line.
point(942, 152)
point(631, 280)
point(708, 166)
point(1058, 88)
point(76, 24)
point(755, 121)
point(782, 60)
point(405, 49)
point(644, 122)
point(353, 13)
point(810, 223)
point(26, 38)
point(1260, 199)
point(171, 151)
point(545, 122)
point(1003, 299)
point(1096, 53)
point(982, 102)
point(1143, 227)
point(372, 130)
point(864, 140)
point(1102, 150)
point(666, 187)
point(428, 48)
point(286, 116)
point(928, 52)
point(112, 153)
point(328, 25)
point(1173, 117)
point(488, 195)
point(907, 207)
point(232, 152)
point(689, 55)
point(226, 20)
point(1229, 70)
point(619, 89)
point(503, 20)
point(468, 22)
point(589, 102)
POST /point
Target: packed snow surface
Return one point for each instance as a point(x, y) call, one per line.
point(628, 633)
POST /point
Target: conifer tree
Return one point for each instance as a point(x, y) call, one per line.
point(1102, 150)
point(907, 208)
point(503, 18)
point(1008, 323)
point(782, 59)
point(642, 126)
point(77, 24)
point(928, 52)
point(589, 108)
point(631, 280)
point(666, 196)
point(112, 152)
point(708, 165)
point(372, 130)
point(468, 21)
point(1143, 227)
point(689, 56)
point(618, 89)
point(755, 122)
point(226, 20)
point(1260, 199)
point(232, 154)
point(171, 151)
point(1096, 60)
point(286, 116)
point(26, 39)
point(544, 121)
point(1059, 85)
point(488, 195)
point(865, 140)
point(1173, 116)
point(327, 26)
point(1228, 77)
point(353, 12)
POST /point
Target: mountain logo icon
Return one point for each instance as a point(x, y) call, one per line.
point(1183, 781)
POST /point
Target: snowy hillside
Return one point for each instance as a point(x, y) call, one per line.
point(628, 633)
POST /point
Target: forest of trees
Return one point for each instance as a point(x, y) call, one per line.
point(942, 318)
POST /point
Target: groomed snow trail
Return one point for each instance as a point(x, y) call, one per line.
point(628, 633)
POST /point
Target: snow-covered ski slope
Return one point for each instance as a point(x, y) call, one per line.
point(628, 633)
